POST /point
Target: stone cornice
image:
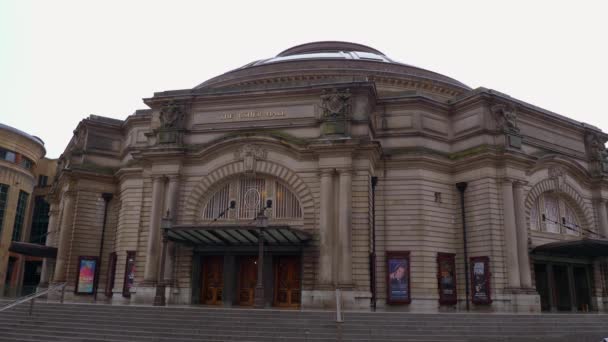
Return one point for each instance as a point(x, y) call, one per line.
point(229, 94)
point(484, 94)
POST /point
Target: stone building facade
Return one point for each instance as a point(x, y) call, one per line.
point(25, 178)
point(354, 161)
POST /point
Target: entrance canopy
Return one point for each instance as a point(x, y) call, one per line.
point(228, 235)
point(581, 248)
point(33, 249)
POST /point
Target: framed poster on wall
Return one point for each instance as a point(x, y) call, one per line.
point(129, 274)
point(85, 279)
point(480, 280)
point(446, 277)
point(398, 278)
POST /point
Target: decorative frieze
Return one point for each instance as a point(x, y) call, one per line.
point(336, 107)
point(506, 118)
point(249, 154)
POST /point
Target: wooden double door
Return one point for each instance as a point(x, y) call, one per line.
point(286, 277)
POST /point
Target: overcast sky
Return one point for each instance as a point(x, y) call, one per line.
point(63, 60)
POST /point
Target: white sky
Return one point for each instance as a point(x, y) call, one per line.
point(63, 60)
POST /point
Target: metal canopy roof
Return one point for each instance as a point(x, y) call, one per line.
point(583, 248)
point(33, 249)
point(224, 235)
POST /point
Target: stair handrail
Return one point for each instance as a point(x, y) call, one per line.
point(32, 297)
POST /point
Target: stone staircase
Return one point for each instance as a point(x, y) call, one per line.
point(91, 322)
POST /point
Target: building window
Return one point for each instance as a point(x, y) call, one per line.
point(42, 180)
point(40, 221)
point(218, 203)
point(3, 195)
point(16, 158)
point(552, 213)
point(250, 195)
point(20, 215)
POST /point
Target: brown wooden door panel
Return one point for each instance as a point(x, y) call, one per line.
point(248, 275)
point(287, 281)
point(213, 280)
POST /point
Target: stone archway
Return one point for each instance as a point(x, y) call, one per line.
point(584, 212)
point(196, 199)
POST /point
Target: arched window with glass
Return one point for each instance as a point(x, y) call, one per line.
point(553, 213)
point(250, 194)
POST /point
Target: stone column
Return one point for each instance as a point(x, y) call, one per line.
point(171, 207)
point(153, 248)
point(522, 236)
point(345, 247)
point(51, 231)
point(326, 230)
point(513, 279)
point(65, 233)
point(603, 216)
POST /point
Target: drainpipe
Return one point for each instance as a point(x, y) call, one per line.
point(106, 197)
point(461, 188)
point(372, 255)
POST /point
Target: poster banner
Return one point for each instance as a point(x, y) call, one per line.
point(480, 280)
point(85, 282)
point(446, 276)
point(398, 278)
point(129, 280)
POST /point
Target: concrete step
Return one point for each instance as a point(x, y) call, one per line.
point(95, 322)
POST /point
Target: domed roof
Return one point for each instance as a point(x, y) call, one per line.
point(329, 57)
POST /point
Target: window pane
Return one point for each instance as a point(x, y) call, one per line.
point(287, 204)
point(252, 195)
point(40, 221)
point(552, 213)
point(10, 156)
point(20, 215)
point(571, 225)
point(217, 204)
point(3, 195)
point(534, 217)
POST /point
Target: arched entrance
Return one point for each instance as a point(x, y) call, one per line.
point(248, 243)
point(562, 270)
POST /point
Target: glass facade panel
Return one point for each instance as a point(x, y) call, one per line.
point(20, 215)
point(40, 221)
point(3, 196)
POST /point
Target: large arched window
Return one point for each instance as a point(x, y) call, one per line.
point(250, 194)
point(552, 213)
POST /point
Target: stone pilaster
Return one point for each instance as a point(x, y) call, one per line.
point(65, 233)
point(51, 231)
point(510, 231)
point(153, 248)
point(345, 249)
point(603, 218)
point(171, 208)
point(522, 236)
point(326, 272)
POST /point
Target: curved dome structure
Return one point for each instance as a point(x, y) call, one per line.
point(332, 61)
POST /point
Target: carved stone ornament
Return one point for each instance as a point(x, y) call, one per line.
point(249, 154)
point(558, 175)
point(172, 115)
point(506, 116)
point(336, 104)
point(596, 150)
